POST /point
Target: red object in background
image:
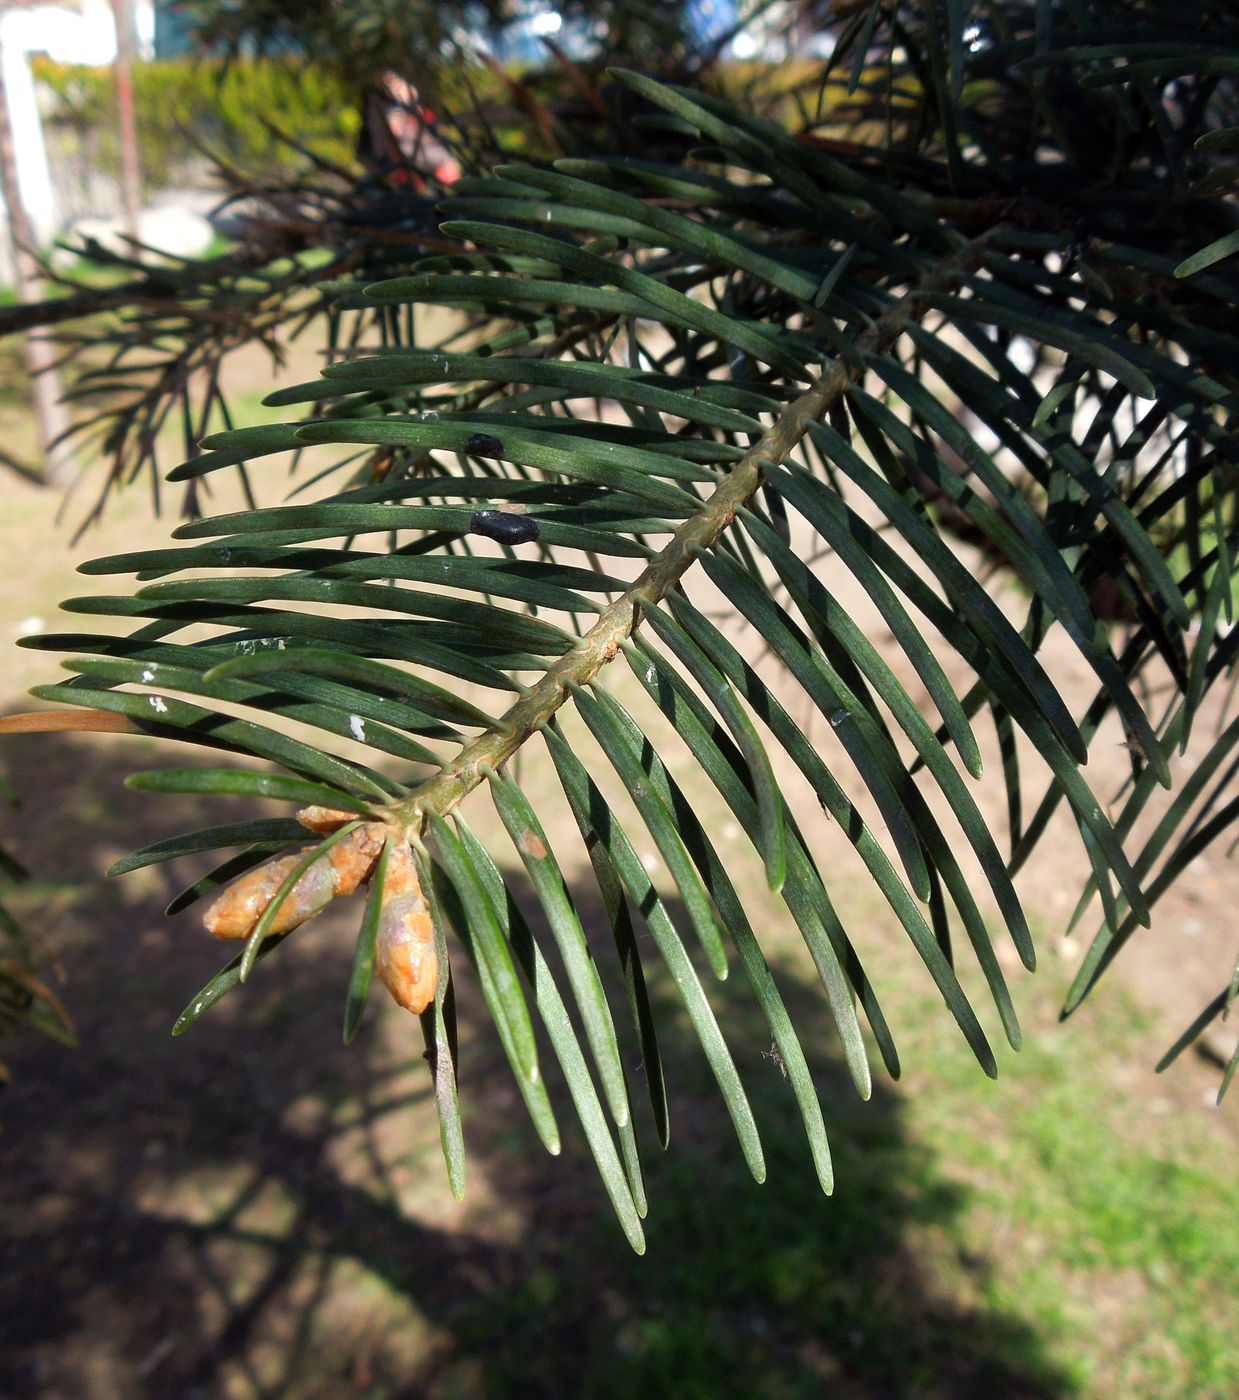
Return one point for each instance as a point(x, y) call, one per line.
point(411, 127)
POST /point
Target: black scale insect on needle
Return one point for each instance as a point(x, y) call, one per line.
point(504, 526)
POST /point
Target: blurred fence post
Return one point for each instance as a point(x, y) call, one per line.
point(131, 177)
point(59, 467)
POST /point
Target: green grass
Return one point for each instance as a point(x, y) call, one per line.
point(1118, 1218)
point(1033, 1237)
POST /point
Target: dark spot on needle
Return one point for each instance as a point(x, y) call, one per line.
point(504, 526)
point(484, 445)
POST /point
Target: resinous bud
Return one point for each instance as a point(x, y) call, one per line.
point(404, 955)
point(338, 872)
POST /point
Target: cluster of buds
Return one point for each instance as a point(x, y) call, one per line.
point(405, 957)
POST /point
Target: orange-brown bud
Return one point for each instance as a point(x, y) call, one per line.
point(352, 860)
point(324, 820)
point(237, 910)
point(405, 956)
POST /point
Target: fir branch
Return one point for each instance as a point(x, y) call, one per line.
point(579, 665)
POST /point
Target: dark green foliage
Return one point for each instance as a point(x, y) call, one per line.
point(991, 329)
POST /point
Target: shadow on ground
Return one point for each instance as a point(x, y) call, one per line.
point(252, 1210)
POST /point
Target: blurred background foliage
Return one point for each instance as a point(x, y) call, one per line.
point(190, 109)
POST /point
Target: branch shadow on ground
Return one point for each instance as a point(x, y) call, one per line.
point(253, 1210)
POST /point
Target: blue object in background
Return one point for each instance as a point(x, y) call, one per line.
point(173, 36)
point(710, 19)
